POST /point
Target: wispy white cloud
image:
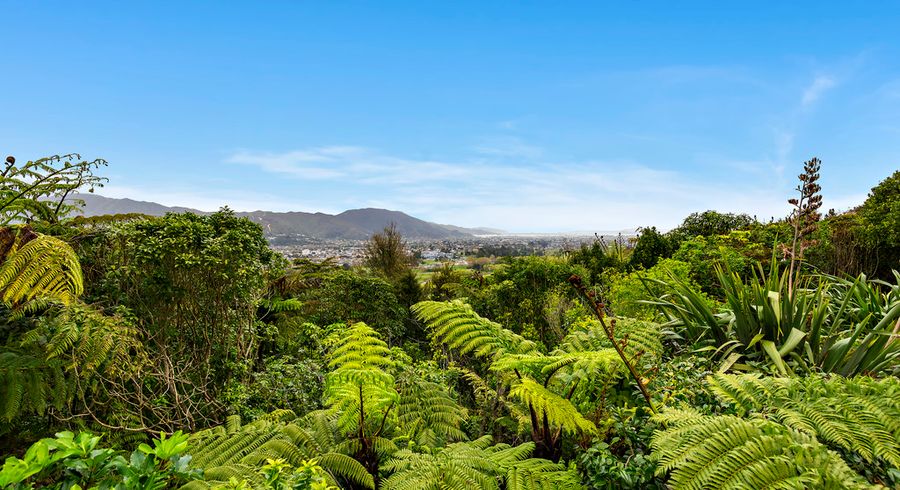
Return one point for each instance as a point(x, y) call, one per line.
point(815, 90)
point(484, 190)
point(351, 163)
point(509, 146)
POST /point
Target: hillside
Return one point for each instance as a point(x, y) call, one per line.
point(355, 224)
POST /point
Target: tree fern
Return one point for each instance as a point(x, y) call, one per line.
point(543, 384)
point(856, 414)
point(55, 361)
point(730, 452)
point(358, 389)
point(87, 341)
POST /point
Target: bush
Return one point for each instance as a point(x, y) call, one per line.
point(734, 251)
point(72, 461)
point(625, 291)
point(284, 382)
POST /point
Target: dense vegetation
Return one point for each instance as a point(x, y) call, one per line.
point(180, 351)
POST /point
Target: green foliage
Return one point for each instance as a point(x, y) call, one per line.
point(598, 257)
point(40, 190)
point(444, 283)
point(386, 253)
point(518, 291)
point(193, 284)
point(861, 415)
point(729, 452)
point(627, 293)
point(191, 279)
point(281, 382)
point(881, 212)
point(72, 460)
point(604, 469)
point(880, 222)
point(36, 269)
point(709, 223)
point(651, 246)
point(348, 296)
point(477, 464)
point(734, 252)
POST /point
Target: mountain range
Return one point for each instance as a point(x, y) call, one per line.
point(355, 224)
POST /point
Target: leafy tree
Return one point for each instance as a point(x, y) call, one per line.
point(348, 297)
point(193, 284)
point(709, 223)
point(650, 247)
point(386, 253)
point(444, 282)
point(519, 291)
point(734, 251)
point(597, 258)
point(880, 216)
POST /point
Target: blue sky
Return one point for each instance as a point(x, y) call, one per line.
point(526, 116)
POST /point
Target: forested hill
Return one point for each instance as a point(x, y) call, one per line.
point(355, 224)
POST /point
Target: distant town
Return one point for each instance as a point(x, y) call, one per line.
point(459, 251)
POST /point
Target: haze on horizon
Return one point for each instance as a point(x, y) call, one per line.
point(525, 117)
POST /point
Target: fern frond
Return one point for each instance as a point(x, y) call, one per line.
point(39, 267)
point(457, 325)
point(702, 451)
point(477, 464)
point(638, 338)
point(427, 407)
point(559, 411)
point(27, 383)
point(857, 414)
